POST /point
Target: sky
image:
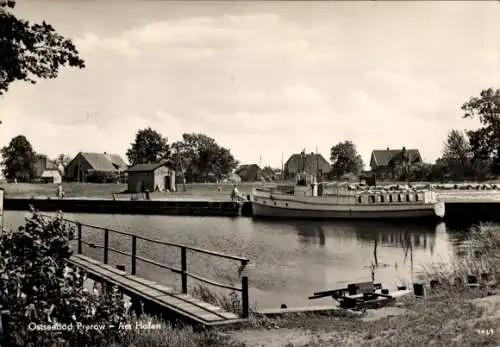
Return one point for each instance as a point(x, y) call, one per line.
point(264, 79)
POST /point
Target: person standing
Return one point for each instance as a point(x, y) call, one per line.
point(235, 194)
point(60, 191)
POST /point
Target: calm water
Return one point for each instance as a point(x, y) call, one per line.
point(289, 259)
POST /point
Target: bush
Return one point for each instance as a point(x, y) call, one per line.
point(38, 287)
point(102, 177)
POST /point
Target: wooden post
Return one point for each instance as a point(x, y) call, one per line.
point(4, 327)
point(184, 269)
point(106, 242)
point(79, 238)
point(244, 296)
point(2, 194)
point(134, 251)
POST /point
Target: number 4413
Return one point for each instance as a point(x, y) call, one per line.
point(485, 331)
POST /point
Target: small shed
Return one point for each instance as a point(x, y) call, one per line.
point(151, 177)
point(51, 176)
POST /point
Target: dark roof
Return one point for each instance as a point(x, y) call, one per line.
point(117, 160)
point(382, 157)
point(247, 167)
point(295, 163)
point(146, 167)
point(48, 162)
point(104, 162)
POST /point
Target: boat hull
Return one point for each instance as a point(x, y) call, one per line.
point(434, 211)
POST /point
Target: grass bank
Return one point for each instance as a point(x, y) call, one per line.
point(209, 191)
point(454, 318)
point(191, 191)
point(71, 190)
point(452, 315)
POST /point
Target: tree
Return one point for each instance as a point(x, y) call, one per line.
point(149, 147)
point(19, 160)
point(457, 155)
point(401, 164)
point(62, 159)
point(268, 173)
point(31, 51)
point(485, 141)
point(345, 159)
point(38, 286)
point(457, 147)
point(202, 157)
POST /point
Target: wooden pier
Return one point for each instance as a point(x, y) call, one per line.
point(159, 298)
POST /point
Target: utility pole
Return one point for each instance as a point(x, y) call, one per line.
point(282, 168)
point(180, 167)
point(317, 165)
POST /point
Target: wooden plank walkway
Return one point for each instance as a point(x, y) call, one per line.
point(183, 305)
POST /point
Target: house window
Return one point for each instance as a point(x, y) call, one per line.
point(400, 197)
point(360, 200)
point(390, 198)
point(381, 199)
point(372, 199)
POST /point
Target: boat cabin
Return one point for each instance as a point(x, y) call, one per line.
point(389, 197)
point(306, 185)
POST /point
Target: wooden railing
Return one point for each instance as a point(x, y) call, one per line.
point(183, 271)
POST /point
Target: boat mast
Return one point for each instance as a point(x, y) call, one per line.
point(317, 165)
point(282, 169)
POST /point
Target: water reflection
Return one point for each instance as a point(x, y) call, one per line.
point(314, 233)
point(310, 234)
point(290, 259)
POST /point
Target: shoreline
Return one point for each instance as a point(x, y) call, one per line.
point(456, 211)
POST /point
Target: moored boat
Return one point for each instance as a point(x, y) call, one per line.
point(310, 199)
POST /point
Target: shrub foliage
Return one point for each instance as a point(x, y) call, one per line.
point(43, 292)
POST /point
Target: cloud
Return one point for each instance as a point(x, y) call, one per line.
point(258, 34)
point(92, 42)
point(266, 79)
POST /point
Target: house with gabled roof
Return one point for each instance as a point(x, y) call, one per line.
point(313, 163)
point(95, 167)
point(386, 162)
point(151, 177)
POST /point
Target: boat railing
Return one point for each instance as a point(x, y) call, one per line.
point(276, 189)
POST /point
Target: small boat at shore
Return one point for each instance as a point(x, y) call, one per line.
point(310, 199)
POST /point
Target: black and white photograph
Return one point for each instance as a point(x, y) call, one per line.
point(249, 173)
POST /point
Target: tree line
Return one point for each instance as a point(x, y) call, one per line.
point(466, 154)
point(196, 158)
point(36, 51)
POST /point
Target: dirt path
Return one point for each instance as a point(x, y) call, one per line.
point(276, 336)
point(335, 335)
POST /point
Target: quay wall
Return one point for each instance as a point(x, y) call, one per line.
point(145, 207)
point(456, 211)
